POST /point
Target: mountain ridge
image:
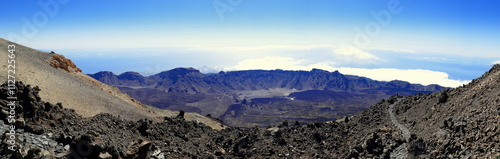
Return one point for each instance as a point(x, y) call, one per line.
point(250, 98)
point(316, 79)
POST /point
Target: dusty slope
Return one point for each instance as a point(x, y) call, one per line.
point(76, 90)
point(464, 121)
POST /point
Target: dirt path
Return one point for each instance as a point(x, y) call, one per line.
point(404, 130)
point(401, 151)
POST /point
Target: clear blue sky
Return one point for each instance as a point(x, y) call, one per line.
point(186, 29)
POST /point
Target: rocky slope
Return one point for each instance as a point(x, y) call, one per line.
point(63, 82)
point(454, 123)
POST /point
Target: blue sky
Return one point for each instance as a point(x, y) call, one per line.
point(448, 42)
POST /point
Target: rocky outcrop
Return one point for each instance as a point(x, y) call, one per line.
point(59, 61)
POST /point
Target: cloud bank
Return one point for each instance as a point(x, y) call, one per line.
point(379, 64)
point(495, 62)
point(420, 76)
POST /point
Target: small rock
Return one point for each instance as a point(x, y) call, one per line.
point(52, 144)
point(180, 115)
point(220, 152)
point(297, 123)
point(45, 153)
point(138, 149)
point(93, 133)
point(158, 154)
point(105, 155)
point(34, 153)
point(20, 123)
point(66, 147)
point(60, 155)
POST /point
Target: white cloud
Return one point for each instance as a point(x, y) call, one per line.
point(495, 62)
point(355, 53)
point(276, 62)
point(424, 77)
point(342, 54)
point(420, 76)
point(263, 48)
point(394, 50)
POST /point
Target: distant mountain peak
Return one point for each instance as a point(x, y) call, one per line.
point(187, 69)
point(103, 74)
point(131, 72)
point(181, 71)
point(130, 75)
point(319, 70)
